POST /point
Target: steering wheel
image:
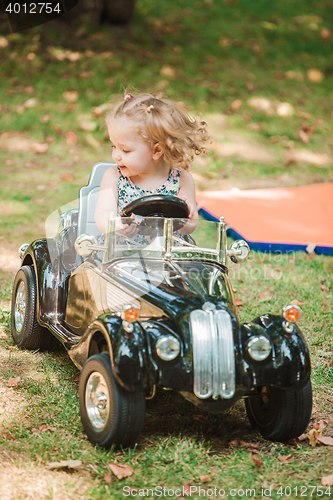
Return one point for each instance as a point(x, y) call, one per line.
point(158, 205)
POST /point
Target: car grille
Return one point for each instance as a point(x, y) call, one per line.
point(213, 354)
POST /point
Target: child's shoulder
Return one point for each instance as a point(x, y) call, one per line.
point(110, 175)
point(186, 177)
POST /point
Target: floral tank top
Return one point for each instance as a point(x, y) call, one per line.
point(128, 191)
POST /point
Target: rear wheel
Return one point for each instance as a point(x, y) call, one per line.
point(280, 415)
point(26, 331)
point(110, 414)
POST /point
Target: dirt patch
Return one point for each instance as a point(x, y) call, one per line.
point(24, 481)
point(9, 261)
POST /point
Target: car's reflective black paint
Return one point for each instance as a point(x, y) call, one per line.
point(80, 318)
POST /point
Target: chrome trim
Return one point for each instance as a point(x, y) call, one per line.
point(213, 353)
point(221, 247)
point(83, 244)
point(97, 400)
point(288, 327)
point(22, 249)
point(20, 306)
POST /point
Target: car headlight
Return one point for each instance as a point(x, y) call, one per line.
point(167, 347)
point(259, 348)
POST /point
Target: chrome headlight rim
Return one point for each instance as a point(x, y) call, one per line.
point(253, 343)
point(167, 347)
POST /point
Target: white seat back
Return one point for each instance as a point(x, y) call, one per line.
point(88, 200)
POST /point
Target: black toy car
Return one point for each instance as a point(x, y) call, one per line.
point(153, 310)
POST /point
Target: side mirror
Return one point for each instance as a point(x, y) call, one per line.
point(85, 244)
point(239, 251)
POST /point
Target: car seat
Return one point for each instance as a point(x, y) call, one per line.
point(88, 200)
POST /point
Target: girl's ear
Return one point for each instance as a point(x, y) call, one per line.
point(158, 151)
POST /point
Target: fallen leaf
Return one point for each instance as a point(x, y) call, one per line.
point(97, 111)
point(321, 424)
point(71, 138)
point(38, 200)
point(313, 436)
point(111, 81)
point(85, 74)
point(13, 381)
point(76, 377)
point(29, 89)
point(297, 302)
point(285, 109)
point(250, 87)
point(327, 480)
point(70, 95)
point(69, 464)
point(234, 443)
point(3, 42)
point(46, 118)
point(236, 105)
point(239, 303)
point(39, 147)
point(9, 162)
point(303, 436)
point(121, 471)
point(39, 458)
point(107, 479)
point(225, 42)
point(168, 71)
point(261, 104)
point(324, 33)
point(324, 288)
point(67, 177)
point(286, 459)
point(304, 114)
point(92, 141)
point(245, 444)
point(315, 76)
point(30, 103)
point(11, 347)
point(326, 440)
point(200, 418)
point(264, 296)
point(205, 478)
point(256, 47)
point(46, 428)
point(257, 461)
point(8, 435)
point(87, 126)
point(31, 56)
point(293, 75)
point(186, 487)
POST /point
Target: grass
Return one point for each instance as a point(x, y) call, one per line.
point(218, 52)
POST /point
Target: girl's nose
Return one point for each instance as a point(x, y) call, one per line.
point(116, 155)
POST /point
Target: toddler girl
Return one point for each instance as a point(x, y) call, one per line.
point(153, 142)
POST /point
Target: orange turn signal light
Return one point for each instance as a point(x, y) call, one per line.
point(130, 314)
point(291, 313)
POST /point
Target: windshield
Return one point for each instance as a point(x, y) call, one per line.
point(160, 237)
point(179, 277)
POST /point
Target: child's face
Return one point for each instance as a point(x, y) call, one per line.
point(133, 155)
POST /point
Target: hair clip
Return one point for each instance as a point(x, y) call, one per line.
point(127, 97)
point(150, 108)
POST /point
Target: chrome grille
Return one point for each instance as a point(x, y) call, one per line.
point(213, 354)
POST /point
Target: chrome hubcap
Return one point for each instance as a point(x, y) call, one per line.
point(20, 306)
point(97, 400)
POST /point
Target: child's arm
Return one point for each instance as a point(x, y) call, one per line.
point(107, 201)
point(187, 193)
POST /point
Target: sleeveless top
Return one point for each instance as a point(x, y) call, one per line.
point(128, 191)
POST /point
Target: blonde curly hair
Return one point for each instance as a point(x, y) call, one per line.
point(166, 122)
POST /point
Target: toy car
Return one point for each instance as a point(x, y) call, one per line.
point(157, 309)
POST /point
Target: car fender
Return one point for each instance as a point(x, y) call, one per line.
point(128, 351)
point(288, 365)
point(51, 280)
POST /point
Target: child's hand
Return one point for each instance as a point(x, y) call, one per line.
point(191, 207)
point(129, 230)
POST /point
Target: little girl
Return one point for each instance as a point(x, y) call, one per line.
point(153, 142)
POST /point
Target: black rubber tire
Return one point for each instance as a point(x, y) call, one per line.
point(26, 331)
point(280, 415)
point(126, 416)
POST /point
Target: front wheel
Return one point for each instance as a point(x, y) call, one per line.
point(26, 331)
point(110, 415)
point(278, 414)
